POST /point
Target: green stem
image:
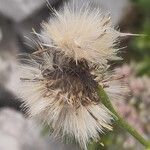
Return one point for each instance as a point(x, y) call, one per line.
point(121, 122)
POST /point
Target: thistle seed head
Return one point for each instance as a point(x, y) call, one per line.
point(58, 83)
point(63, 94)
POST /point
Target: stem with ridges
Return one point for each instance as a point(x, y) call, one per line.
point(120, 121)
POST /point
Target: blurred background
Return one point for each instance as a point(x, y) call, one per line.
point(19, 17)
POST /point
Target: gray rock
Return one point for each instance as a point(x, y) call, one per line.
point(21, 9)
point(18, 133)
point(117, 8)
point(1, 35)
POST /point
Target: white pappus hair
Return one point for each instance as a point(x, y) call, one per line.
point(62, 102)
point(82, 32)
point(58, 83)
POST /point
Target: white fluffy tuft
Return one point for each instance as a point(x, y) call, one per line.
point(81, 32)
point(80, 35)
point(83, 123)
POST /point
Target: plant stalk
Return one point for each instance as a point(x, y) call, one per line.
point(120, 121)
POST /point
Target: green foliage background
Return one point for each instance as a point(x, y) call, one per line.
point(140, 46)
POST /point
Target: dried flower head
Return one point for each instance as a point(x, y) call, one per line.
point(59, 81)
point(63, 94)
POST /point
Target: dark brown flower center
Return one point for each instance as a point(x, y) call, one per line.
point(73, 78)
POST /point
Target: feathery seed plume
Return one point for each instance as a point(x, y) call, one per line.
point(58, 82)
